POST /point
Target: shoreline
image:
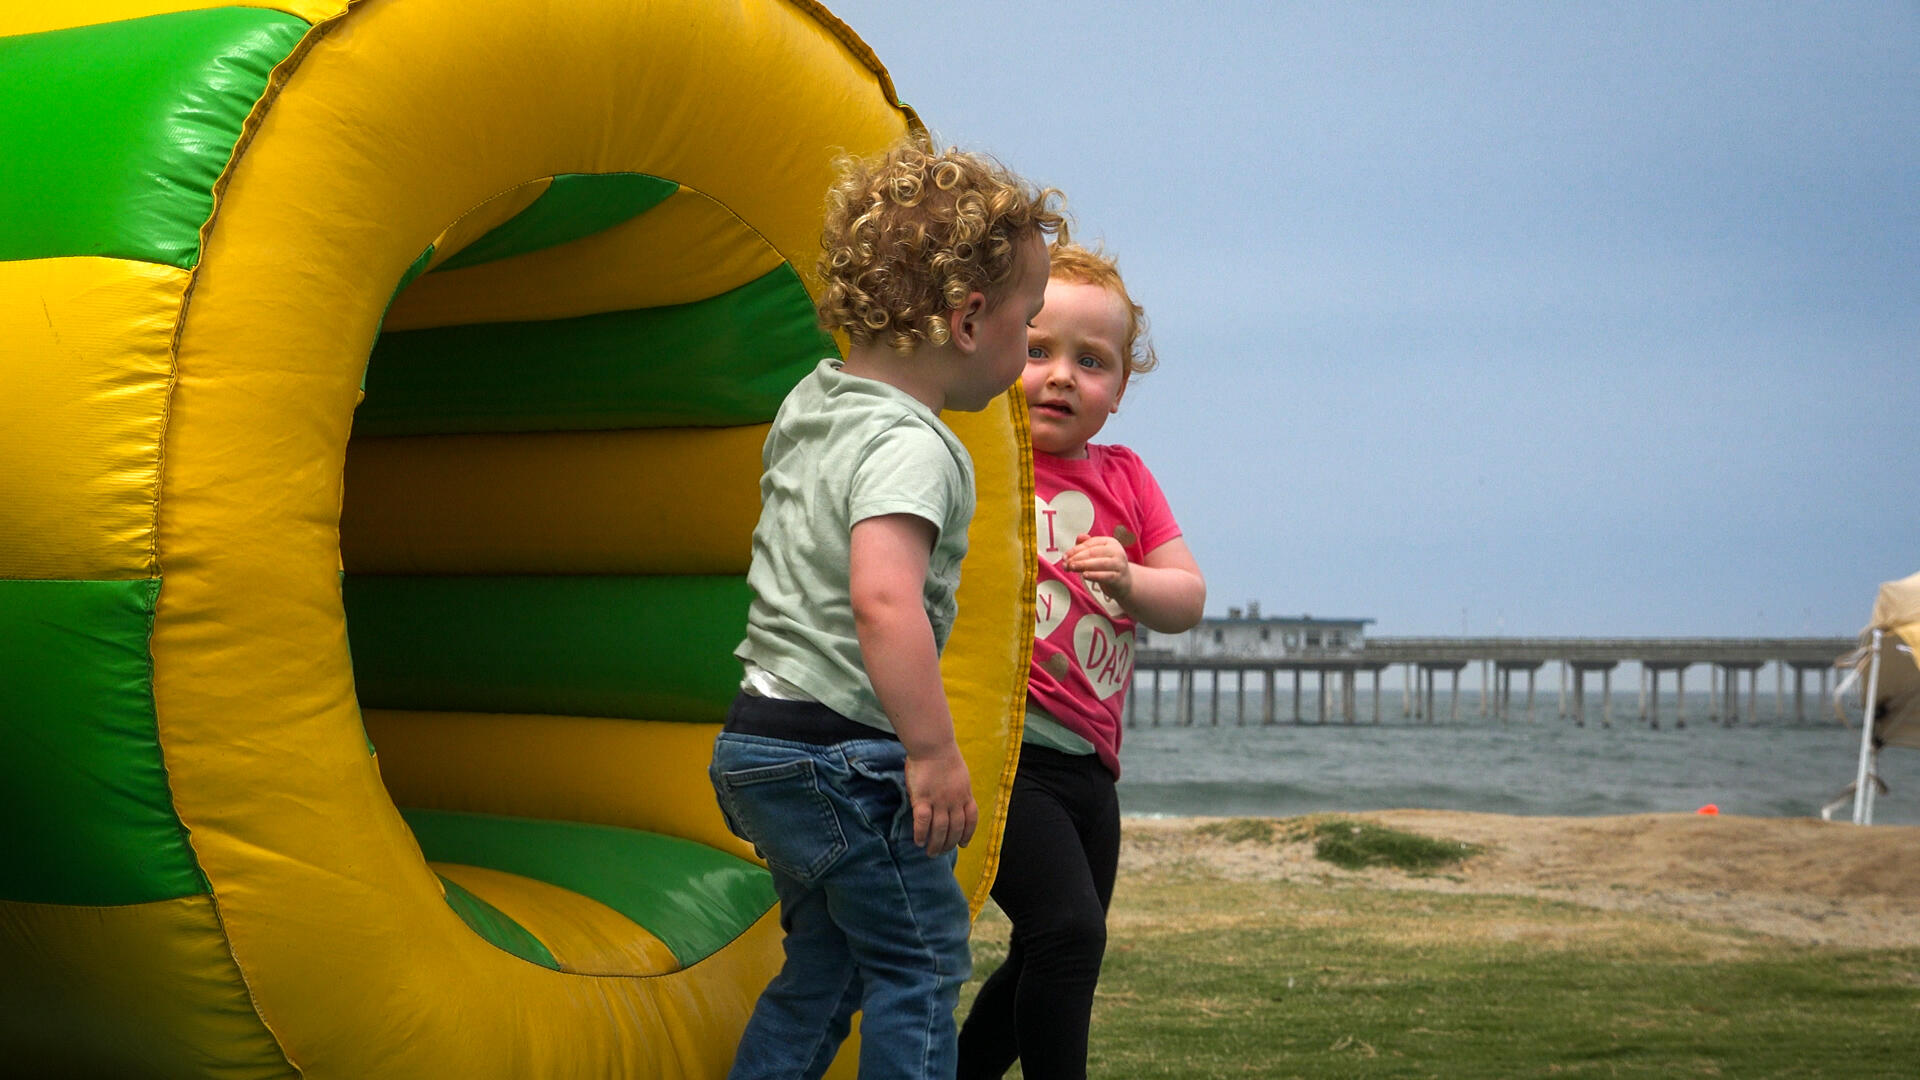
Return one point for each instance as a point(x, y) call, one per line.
point(1799, 879)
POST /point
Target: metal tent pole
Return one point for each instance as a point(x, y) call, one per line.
point(1862, 803)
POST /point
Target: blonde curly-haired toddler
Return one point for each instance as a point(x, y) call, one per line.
point(838, 760)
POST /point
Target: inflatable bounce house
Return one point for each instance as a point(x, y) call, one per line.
point(382, 387)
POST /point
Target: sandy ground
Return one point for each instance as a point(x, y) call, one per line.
point(1799, 879)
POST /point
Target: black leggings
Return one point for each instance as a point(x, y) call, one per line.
point(1057, 862)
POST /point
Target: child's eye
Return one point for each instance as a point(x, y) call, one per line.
point(1091, 361)
point(1036, 353)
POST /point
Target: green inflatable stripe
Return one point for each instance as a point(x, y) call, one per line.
point(645, 648)
point(85, 813)
point(413, 270)
point(496, 927)
point(575, 205)
point(116, 133)
point(693, 898)
point(718, 362)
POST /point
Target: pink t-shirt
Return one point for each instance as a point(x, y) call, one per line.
point(1083, 642)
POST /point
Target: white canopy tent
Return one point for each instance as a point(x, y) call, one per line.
point(1888, 663)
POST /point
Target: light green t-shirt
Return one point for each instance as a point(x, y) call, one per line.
point(843, 449)
point(1043, 730)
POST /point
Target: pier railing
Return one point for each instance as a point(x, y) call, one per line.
point(1661, 651)
point(1808, 651)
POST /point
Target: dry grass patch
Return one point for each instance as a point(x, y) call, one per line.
point(1234, 952)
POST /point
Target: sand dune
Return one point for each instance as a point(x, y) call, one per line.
point(1799, 879)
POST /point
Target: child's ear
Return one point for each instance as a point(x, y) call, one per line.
point(963, 322)
point(1126, 380)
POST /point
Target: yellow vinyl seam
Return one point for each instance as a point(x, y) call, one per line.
point(276, 81)
point(1017, 716)
point(485, 218)
point(861, 51)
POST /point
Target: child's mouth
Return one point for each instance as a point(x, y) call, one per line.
point(1053, 408)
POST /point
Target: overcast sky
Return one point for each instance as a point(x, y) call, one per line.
point(1507, 317)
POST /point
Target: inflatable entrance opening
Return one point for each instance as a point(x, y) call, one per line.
point(381, 409)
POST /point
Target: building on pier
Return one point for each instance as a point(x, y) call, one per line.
point(1245, 634)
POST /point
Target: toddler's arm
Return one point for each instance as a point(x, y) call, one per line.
point(1166, 593)
point(888, 571)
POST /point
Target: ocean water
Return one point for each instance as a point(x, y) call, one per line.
point(1772, 767)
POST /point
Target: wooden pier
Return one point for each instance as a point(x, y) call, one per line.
point(1730, 662)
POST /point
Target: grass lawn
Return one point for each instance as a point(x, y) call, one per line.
point(1210, 977)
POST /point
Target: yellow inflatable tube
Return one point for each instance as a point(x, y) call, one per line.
point(391, 375)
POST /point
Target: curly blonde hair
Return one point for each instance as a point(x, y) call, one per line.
point(1069, 261)
point(912, 232)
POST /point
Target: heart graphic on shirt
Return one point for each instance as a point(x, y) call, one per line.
point(1051, 602)
point(1058, 666)
point(1124, 535)
point(1059, 522)
point(1106, 658)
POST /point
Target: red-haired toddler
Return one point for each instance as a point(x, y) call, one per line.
point(1111, 556)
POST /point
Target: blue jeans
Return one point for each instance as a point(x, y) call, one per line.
point(873, 922)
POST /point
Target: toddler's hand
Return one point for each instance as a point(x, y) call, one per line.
point(941, 790)
point(1102, 562)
